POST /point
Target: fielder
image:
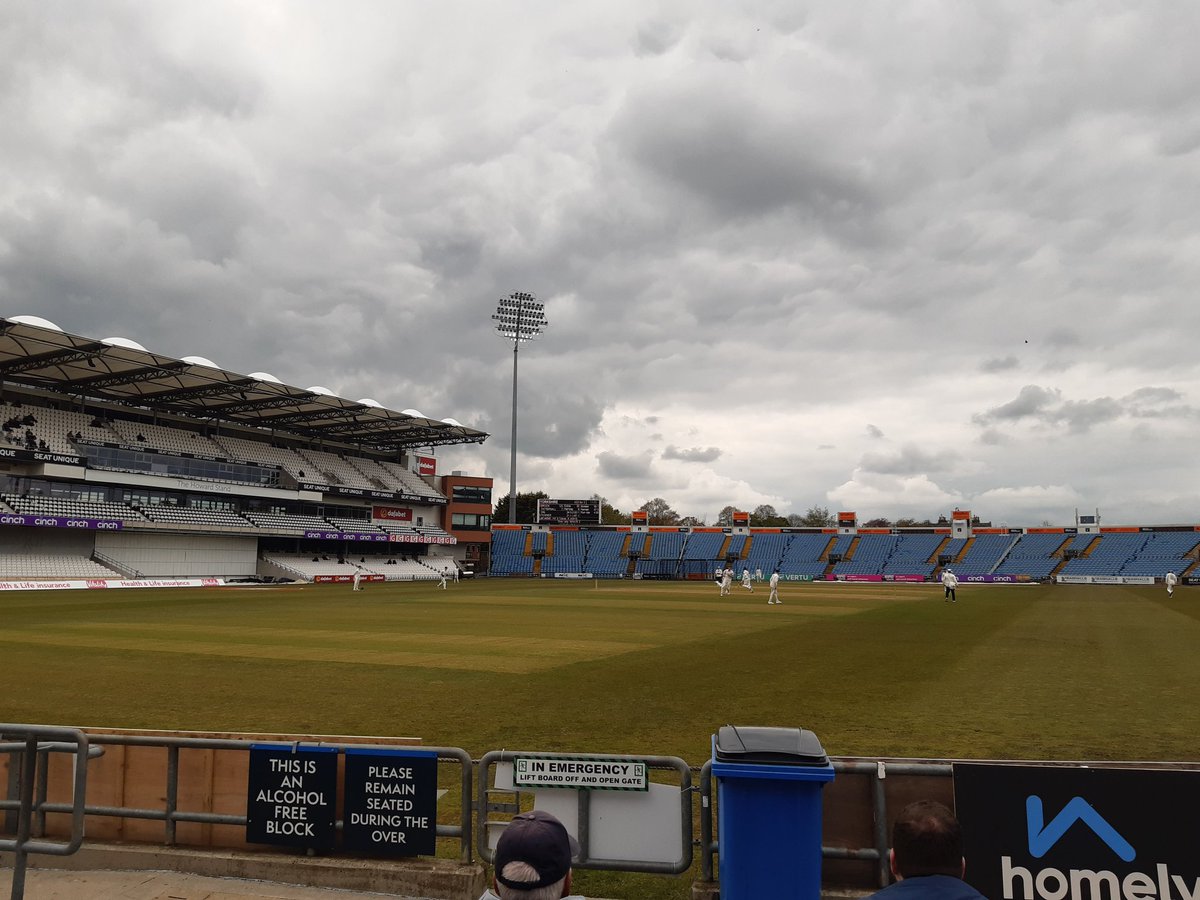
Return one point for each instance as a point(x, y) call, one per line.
point(445, 572)
point(1171, 581)
point(774, 597)
point(357, 579)
point(726, 581)
point(746, 580)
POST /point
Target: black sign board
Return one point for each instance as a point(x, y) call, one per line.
point(1076, 833)
point(390, 802)
point(568, 512)
point(291, 796)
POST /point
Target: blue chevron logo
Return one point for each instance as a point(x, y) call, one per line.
point(1043, 837)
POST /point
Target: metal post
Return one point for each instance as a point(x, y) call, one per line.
point(512, 468)
point(24, 817)
point(172, 792)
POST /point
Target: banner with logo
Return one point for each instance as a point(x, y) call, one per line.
point(40, 521)
point(92, 584)
point(426, 466)
point(1105, 579)
point(996, 579)
point(392, 513)
point(1075, 833)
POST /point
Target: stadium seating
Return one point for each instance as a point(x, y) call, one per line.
point(1033, 555)
point(335, 470)
point(983, 553)
point(56, 506)
point(286, 521)
point(804, 552)
point(704, 545)
point(185, 515)
point(766, 550)
point(35, 566)
point(604, 554)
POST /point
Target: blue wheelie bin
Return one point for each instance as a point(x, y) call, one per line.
point(769, 784)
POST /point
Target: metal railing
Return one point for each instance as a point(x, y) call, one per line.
point(34, 744)
point(170, 814)
point(585, 861)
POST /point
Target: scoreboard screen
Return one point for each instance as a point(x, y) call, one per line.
point(568, 512)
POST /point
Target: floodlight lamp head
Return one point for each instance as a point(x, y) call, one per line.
point(519, 317)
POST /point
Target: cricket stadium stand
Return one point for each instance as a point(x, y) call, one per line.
point(120, 463)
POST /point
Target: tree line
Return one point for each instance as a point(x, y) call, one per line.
point(659, 512)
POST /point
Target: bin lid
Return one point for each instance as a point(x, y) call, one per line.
point(754, 744)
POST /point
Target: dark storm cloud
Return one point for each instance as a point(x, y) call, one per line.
point(1031, 401)
point(635, 468)
point(1046, 406)
point(714, 140)
point(692, 454)
point(909, 460)
point(999, 364)
point(781, 213)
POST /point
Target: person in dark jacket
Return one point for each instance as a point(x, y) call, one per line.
point(927, 856)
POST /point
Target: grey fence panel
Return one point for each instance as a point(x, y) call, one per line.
point(170, 814)
point(31, 783)
point(662, 763)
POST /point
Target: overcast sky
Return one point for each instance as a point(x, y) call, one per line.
point(887, 257)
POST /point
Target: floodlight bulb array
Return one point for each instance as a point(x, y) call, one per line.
point(520, 317)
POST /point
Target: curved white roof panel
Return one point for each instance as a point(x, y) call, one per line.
point(201, 361)
point(35, 320)
point(125, 342)
point(119, 370)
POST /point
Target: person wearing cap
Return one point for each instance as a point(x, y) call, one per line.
point(533, 860)
point(950, 582)
point(927, 856)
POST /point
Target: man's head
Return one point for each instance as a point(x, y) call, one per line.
point(927, 840)
point(533, 858)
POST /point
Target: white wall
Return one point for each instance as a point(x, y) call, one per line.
point(181, 555)
point(53, 541)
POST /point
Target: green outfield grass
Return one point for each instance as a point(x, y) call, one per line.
point(1035, 672)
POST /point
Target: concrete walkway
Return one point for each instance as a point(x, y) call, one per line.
point(59, 884)
point(102, 871)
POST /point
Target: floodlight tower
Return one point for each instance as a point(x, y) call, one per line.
point(519, 317)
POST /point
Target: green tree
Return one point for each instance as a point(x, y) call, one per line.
point(818, 517)
point(660, 512)
point(878, 523)
point(725, 516)
point(765, 516)
point(526, 508)
point(692, 522)
point(609, 514)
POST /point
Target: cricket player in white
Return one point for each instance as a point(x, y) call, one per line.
point(1171, 581)
point(726, 581)
point(950, 582)
point(774, 597)
point(746, 580)
point(357, 578)
point(445, 572)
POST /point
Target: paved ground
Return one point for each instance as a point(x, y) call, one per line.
point(57, 884)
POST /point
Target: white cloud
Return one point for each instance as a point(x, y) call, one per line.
point(804, 259)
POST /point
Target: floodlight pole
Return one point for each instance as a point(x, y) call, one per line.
point(519, 317)
point(512, 462)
